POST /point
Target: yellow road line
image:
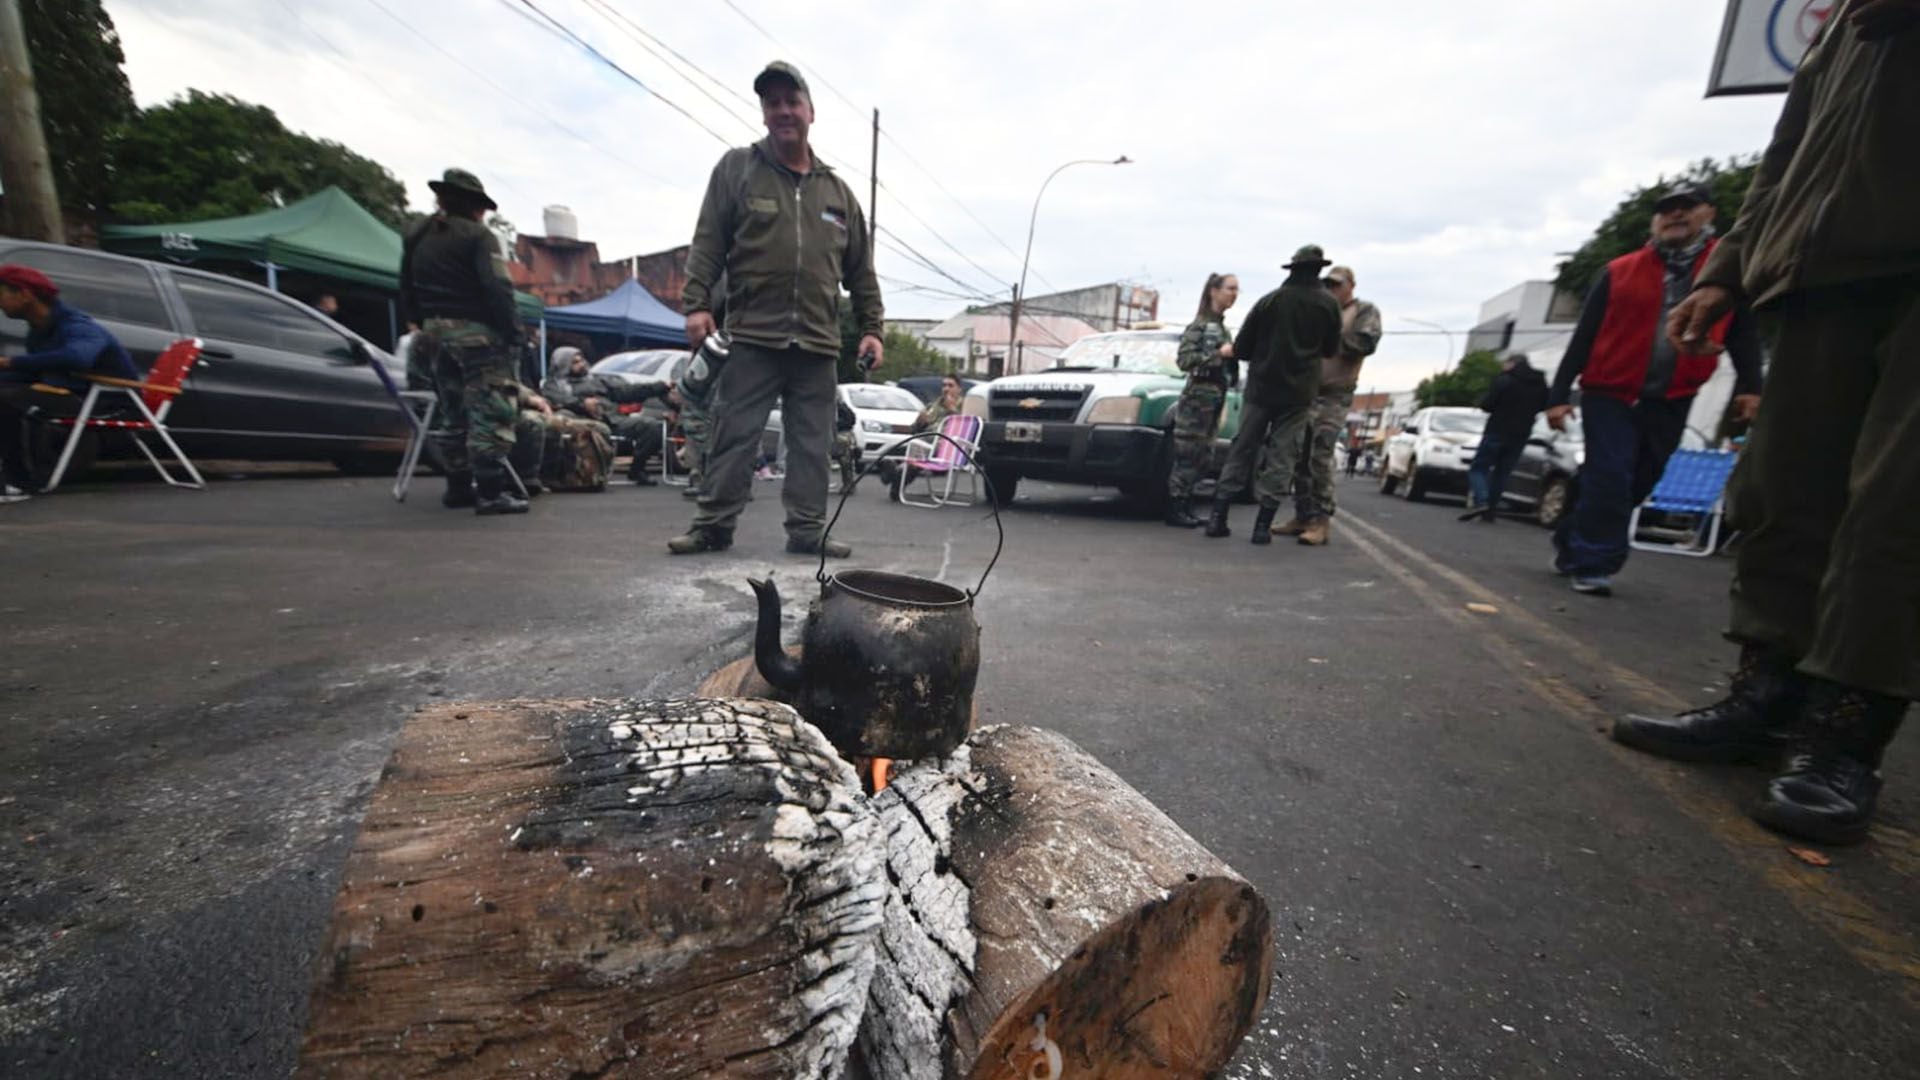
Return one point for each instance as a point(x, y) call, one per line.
point(1876, 940)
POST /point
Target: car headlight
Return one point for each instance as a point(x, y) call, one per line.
point(974, 405)
point(873, 425)
point(1116, 410)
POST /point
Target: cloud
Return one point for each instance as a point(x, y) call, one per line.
point(1446, 151)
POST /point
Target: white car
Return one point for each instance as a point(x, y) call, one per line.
point(1432, 452)
point(883, 415)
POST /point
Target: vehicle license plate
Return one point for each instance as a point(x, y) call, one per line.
point(1018, 431)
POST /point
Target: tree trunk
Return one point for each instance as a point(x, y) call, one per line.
point(638, 889)
point(1043, 916)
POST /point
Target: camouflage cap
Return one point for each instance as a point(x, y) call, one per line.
point(1308, 255)
point(1341, 274)
point(464, 182)
point(780, 69)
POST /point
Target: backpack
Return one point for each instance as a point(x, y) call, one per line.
point(579, 454)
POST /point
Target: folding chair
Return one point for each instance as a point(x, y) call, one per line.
point(939, 463)
point(1695, 483)
point(670, 444)
point(152, 400)
point(418, 407)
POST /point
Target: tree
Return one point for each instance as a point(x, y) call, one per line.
point(906, 354)
point(1627, 228)
point(84, 97)
point(502, 228)
point(212, 155)
point(1465, 384)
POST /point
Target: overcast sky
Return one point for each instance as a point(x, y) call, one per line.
point(1446, 151)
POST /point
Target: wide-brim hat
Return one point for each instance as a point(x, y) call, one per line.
point(1309, 255)
point(465, 183)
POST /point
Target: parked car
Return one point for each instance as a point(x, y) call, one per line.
point(277, 379)
point(1104, 415)
point(927, 387)
point(883, 415)
point(1432, 452)
point(1543, 477)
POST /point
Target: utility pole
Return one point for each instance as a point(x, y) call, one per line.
point(997, 366)
point(873, 190)
point(32, 206)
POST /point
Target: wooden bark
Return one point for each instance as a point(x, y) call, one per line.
point(607, 889)
point(1030, 886)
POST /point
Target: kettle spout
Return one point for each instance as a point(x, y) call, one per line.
point(779, 669)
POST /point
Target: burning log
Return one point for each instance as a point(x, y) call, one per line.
point(1044, 919)
point(638, 889)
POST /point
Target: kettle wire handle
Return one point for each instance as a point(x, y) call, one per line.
point(993, 501)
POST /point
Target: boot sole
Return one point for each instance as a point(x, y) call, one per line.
point(1695, 753)
point(1791, 822)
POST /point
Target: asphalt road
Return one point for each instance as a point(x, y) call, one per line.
point(198, 691)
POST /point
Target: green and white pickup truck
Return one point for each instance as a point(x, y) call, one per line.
point(1103, 416)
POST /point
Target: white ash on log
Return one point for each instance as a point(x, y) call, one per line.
point(608, 889)
point(1046, 920)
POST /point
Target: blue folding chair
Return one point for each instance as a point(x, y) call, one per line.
point(1695, 483)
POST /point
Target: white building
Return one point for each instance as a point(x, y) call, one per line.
point(1535, 318)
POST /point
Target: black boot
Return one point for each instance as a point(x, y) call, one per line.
point(459, 493)
point(1753, 723)
point(491, 495)
point(1832, 779)
point(1263, 525)
point(1217, 517)
point(1180, 514)
point(701, 538)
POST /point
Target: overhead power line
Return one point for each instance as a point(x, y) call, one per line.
point(509, 95)
point(616, 19)
point(587, 47)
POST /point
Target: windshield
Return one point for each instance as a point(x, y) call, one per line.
point(1458, 423)
point(1142, 353)
point(882, 397)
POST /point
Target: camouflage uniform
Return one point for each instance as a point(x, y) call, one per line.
point(696, 424)
point(479, 396)
point(1340, 377)
point(1196, 416)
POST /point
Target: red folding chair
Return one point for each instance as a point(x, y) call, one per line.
point(152, 400)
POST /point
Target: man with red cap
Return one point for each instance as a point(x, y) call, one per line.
point(63, 343)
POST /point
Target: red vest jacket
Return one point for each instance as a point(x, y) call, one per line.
point(1617, 366)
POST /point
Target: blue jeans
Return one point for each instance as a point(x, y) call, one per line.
point(1628, 444)
point(1492, 464)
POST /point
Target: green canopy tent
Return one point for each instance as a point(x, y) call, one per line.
point(326, 234)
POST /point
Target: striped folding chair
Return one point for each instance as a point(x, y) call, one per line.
point(152, 400)
point(938, 464)
point(1695, 484)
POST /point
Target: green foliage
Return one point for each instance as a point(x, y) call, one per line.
point(1627, 228)
point(84, 97)
point(906, 354)
point(211, 155)
point(1465, 384)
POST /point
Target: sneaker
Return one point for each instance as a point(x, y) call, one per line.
point(1592, 585)
point(834, 548)
point(11, 494)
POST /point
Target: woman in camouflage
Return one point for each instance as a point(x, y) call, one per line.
point(1206, 355)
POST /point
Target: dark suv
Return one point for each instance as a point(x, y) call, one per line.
point(277, 379)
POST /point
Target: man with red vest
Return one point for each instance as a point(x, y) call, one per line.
point(1635, 387)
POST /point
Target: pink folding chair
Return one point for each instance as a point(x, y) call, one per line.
point(940, 463)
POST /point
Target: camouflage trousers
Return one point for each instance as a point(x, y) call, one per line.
point(1313, 472)
point(479, 397)
point(696, 424)
point(1196, 416)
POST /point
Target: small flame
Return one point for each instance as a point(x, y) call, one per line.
point(882, 772)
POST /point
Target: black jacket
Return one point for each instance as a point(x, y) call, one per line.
point(451, 268)
point(1283, 340)
point(1514, 399)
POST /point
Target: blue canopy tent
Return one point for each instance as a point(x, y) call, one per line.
point(629, 313)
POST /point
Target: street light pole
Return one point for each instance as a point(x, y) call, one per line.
point(1020, 291)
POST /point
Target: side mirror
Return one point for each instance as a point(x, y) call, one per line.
point(358, 350)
